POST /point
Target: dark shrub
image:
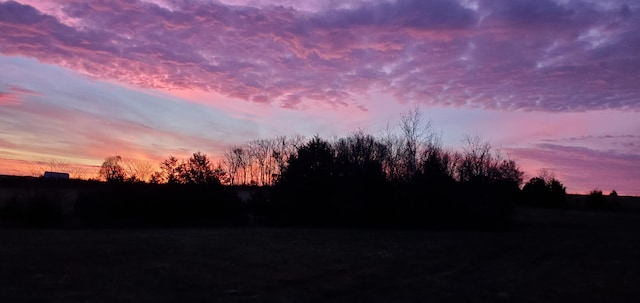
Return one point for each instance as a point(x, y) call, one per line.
point(596, 200)
point(545, 193)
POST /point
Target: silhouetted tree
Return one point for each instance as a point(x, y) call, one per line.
point(436, 164)
point(57, 165)
point(415, 133)
point(235, 160)
point(436, 176)
point(169, 171)
point(283, 149)
point(536, 189)
point(314, 162)
point(476, 161)
point(544, 190)
point(221, 173)
point(198, 170)
point(259, 162)
point(558, 192)
point(137, 170)
point(261, 151)
point(508, 171)
point(359, 149)
point(361, 185)
point(596, 200)
point(306, 187)
point(405, 144)
point(156, 178)
point(112, 170)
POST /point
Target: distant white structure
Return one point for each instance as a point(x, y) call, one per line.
point(56, 175)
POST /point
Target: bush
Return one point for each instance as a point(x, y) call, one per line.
point(596, 200)
point(544, 192)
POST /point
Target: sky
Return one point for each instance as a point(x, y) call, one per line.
point(553, 84)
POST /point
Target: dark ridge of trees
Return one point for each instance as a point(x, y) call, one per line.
point(182, 193)
point(325, 185)
point(354, 182)
point(198, 169)
point(51, 203)
point(159, 205)
point(39, 202)
point(403, 178)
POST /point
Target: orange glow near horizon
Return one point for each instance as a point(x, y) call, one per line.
point(145, 79)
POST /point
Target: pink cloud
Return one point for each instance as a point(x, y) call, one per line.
point(8, 99)
point(533, 55)
point(13, 95)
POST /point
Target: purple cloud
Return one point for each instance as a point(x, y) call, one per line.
point(530, 55)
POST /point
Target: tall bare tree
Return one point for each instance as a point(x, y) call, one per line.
point(416, 134)
point(284, 148)
point(137, 170)
point(261, 150)
point(75, 171)
point(476, 159)
point(232, 162)
point(406, 143)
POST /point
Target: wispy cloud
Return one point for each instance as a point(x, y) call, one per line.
point(629, 143)
point(532, 55)
point(228, 71)
point(44, 128)
point(12, 95)
point(67, 116)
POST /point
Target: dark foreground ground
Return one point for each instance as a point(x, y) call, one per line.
point(549, 256)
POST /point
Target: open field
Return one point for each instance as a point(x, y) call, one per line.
point(549, 256)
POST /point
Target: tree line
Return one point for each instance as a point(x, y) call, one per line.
point(405, 176)
point(402, 177)
point(400, 152)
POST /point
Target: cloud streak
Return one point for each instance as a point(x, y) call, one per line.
point(530, 55)
point(13, 95)
point(584, 169)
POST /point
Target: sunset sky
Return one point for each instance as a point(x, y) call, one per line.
point(554, 84)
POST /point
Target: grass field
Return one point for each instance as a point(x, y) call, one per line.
point(548, 256)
